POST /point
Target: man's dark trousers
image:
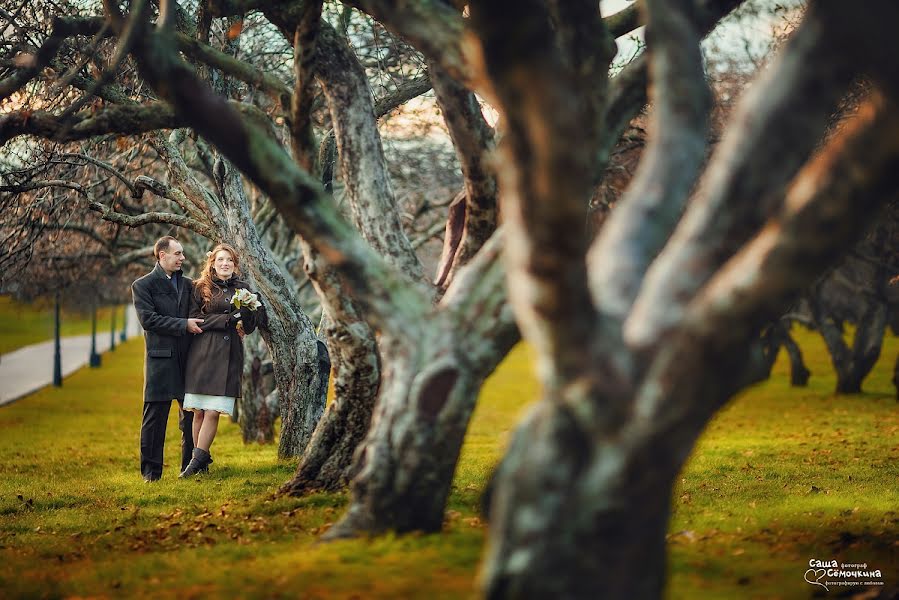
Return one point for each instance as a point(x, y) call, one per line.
point(152, 437)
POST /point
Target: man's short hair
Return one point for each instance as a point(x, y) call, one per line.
point(162, 245)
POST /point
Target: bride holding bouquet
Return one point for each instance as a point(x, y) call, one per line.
point(215, 360)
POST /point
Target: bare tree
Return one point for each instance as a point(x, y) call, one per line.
point(857, 292)
point(208, 198)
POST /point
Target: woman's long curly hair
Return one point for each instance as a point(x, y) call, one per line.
point(204, 286)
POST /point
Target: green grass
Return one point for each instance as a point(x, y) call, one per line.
point(767, 488)
point(783, 475)
point(25, 324)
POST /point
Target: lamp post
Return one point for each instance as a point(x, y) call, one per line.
point(57, 349)
point(95, 358)
point(112, 331)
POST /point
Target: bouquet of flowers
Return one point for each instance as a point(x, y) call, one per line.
point(247, 299)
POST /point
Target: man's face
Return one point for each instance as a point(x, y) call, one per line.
point(171, 259)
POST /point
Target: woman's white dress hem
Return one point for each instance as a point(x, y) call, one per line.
point(222, 404)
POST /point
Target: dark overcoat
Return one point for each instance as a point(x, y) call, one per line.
point(215, 360)
point(162, 313)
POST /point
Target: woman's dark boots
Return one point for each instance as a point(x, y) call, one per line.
point(199, 463)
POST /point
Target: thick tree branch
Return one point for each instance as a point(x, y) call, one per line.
point(625, 20)
point(304, 50)
point(473, 141)
point(184, 200)
point(122, 120)
point(438, 31)
point(362, 162)
point(627, 97)
point(589, 47)
point(545, 178)
point(478, 301)
point(434, 28)
point(236, 68)
point(126, 258)
point(627, 94)
point(358, 142)
point(107, 211)
point(38, 184)
point(405, 91)
point(327, 152)
point(191, 195)
point(774, 131)
point(641, 223)
point(827, 208)
point(112, 216)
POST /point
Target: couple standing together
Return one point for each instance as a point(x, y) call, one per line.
point(193, 335)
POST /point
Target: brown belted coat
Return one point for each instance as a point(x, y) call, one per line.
point(215, 359)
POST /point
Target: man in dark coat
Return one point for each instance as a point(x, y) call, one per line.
point(162, 301)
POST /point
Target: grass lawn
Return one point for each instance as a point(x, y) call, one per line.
point(25, 324)
point(781, 476)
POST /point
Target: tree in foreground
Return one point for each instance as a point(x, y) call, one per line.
point(642, 336)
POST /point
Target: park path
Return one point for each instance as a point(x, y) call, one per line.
point(30, 368)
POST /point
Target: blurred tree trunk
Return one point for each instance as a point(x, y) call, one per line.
point(641, 343)
point(327, 462)
point(852, 365)
point(774, 337)
point(289, 333)
point(799, 373)
point(404, 468)
point(257, 422)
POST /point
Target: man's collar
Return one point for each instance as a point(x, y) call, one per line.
point(161, 272)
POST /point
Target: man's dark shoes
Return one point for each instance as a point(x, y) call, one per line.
point(198, 463)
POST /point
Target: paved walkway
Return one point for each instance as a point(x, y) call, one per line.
point(28, 369)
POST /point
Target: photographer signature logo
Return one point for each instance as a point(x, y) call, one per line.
point(831, 573)
point(814, 576)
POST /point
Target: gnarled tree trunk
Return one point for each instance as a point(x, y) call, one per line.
point(327, 462)
point(775, 336)
point(853, 365)
point(289, 333)
point(404, 467)
point(257, 421)
point(799, 373)
point(597, 513)
point(406, 463)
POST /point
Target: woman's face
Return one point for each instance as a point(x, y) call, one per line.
point(223, 265)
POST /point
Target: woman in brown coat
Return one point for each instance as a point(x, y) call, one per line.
point(215, 359)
